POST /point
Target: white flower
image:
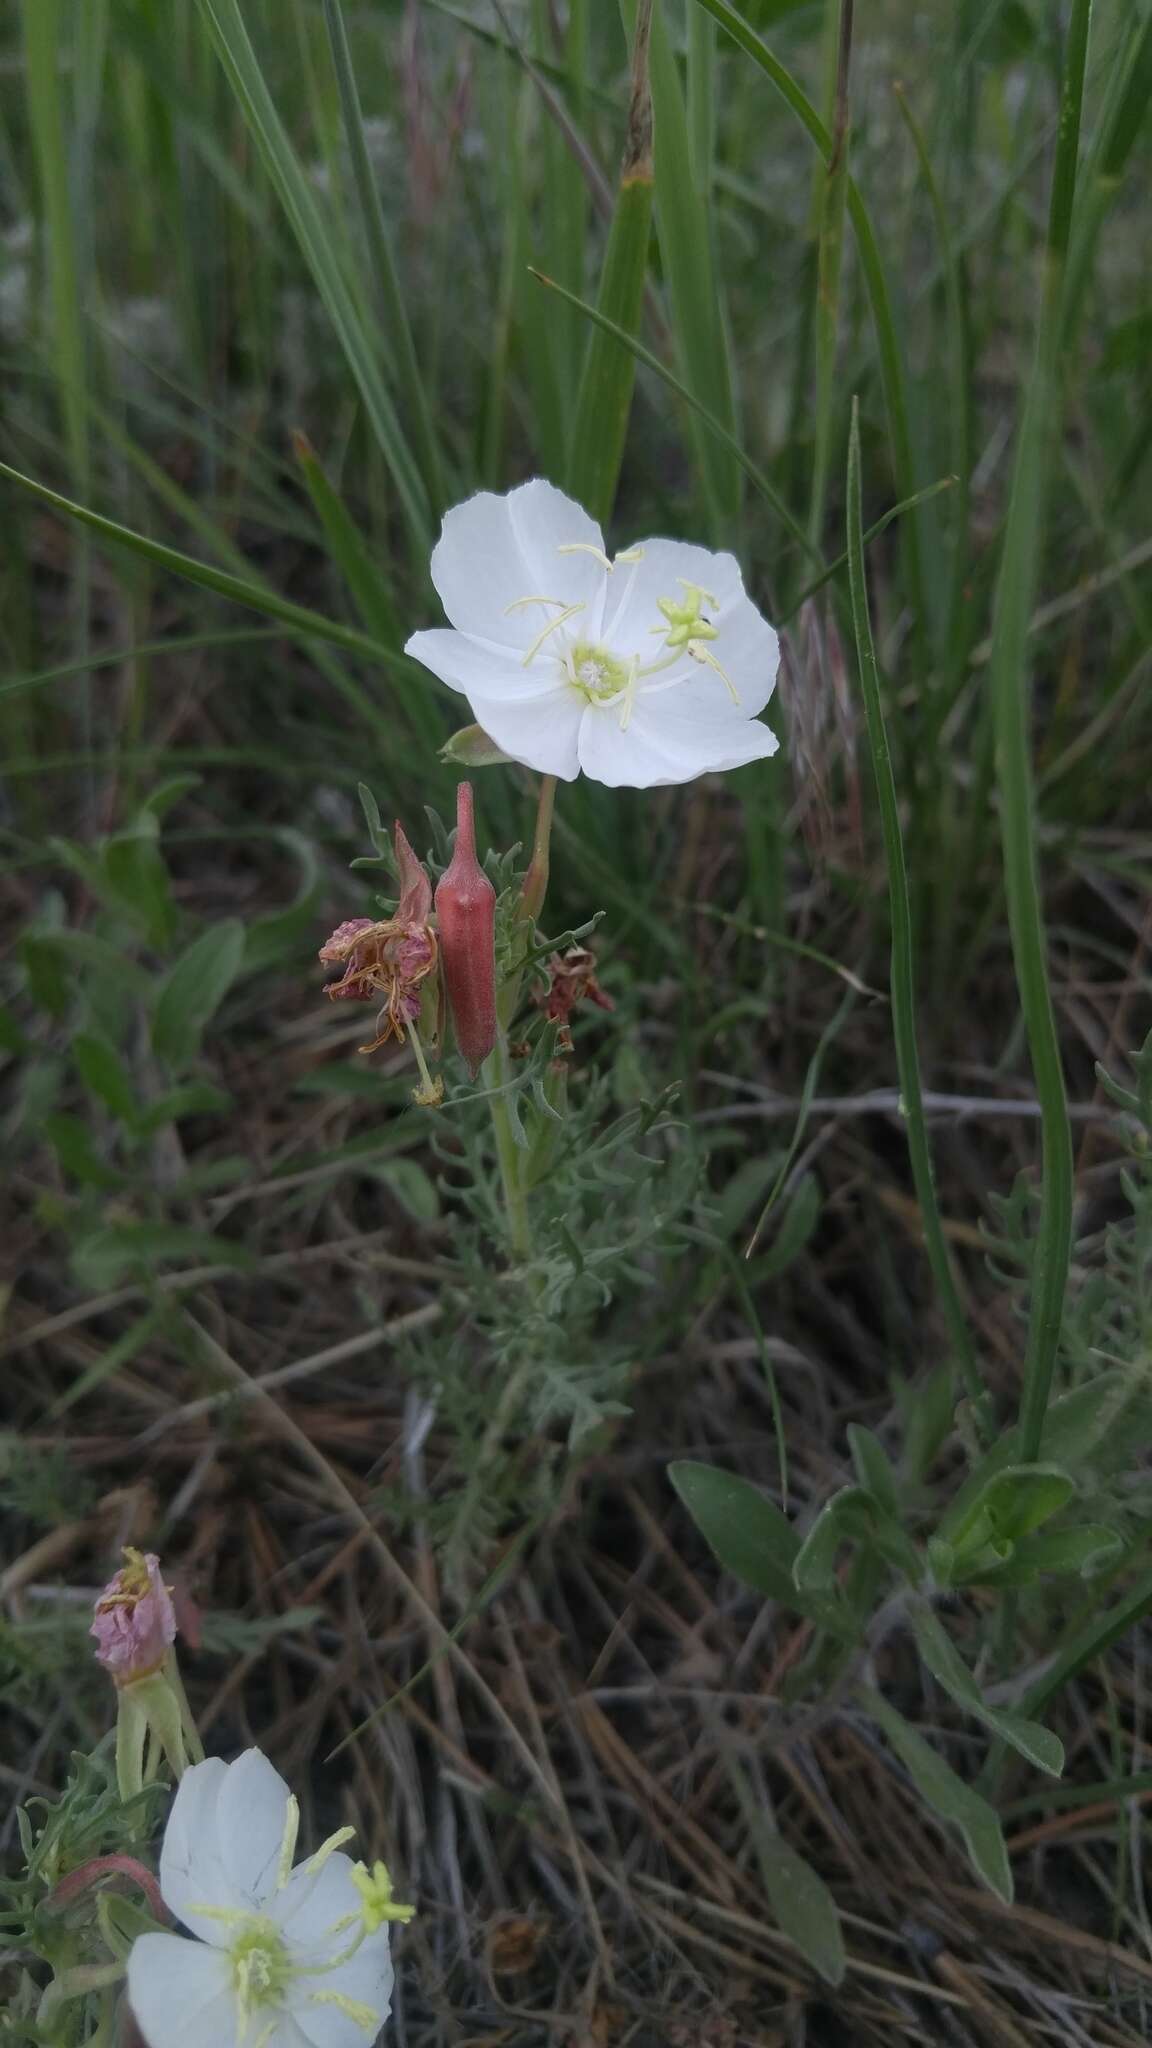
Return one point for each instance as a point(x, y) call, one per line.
point(286, 1958)
point(645, 670)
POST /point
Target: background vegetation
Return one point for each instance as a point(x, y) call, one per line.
point(269, 299)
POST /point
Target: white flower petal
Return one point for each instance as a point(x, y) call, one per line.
point(192, 1871)
point(287, 2034)
point(251, 1812)
point(476, 667)
point(181, 1993)
point(494, 551)
point(313, 1903)
point(651, 753)
point(664, 567)
point(541, 732)
point(745, 645)
point(365, 1980)
point(547, 526)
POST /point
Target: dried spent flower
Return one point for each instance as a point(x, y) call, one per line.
point(134, 1621)
point(571, 981)
point(393, 958)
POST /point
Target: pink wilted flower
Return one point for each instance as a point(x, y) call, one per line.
point(396, 958)
point(134, 1621)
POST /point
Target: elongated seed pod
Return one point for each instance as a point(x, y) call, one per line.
point(466, 915)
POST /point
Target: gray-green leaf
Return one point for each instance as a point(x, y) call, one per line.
point(803, 1906)
point(948, 1796)
point(747, 1532)
point(192, 992)
point(948, 1668)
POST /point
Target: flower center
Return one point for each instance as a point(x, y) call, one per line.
point(598, 674)
point(603, 678)
point(261, 1967)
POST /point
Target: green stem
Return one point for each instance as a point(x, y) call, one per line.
point(536, 879)
point(508, 1152)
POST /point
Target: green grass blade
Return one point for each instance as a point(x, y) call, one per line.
point(903, 979)
point(310, 624)
point(1091, 1642)
point(390, 296)
point(960, 428)
point(349, 549)
point(1010, 695)
point(887, 340)
point(605, 397)
point(829, 252)
point(43, 49)
point(652, 362)
point(180, 643)
point(314, 234)
point(684, 227)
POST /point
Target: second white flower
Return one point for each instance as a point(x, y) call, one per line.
point(644, 670)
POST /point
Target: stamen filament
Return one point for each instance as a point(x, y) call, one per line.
point(518, 603)
point(335, 1841)
point(288, 1841)
point(562, 619)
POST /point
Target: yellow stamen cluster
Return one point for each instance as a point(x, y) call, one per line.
point(377, 1903)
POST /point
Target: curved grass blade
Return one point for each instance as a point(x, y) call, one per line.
point(651, 362)
point(684, 229)
point(406, 364)
point(903, 980)
point(229, 35)
point(605, 397)
point(307, 623)
point(887, 340)
point(1011, 714)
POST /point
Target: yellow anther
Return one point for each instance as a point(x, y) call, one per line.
point(701, 654)
point(629, 555)
point(561, 619)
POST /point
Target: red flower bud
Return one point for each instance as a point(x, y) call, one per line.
point(466, 910)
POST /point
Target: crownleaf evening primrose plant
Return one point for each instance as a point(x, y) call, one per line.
point(282, 1954)
point(648, 668)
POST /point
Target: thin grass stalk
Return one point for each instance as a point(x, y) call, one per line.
point(1011, 714)
point(892, 375)
point(702, 100)
point(44, 51)
point(313, 232)
point(605, 398)
point(652, 362)
point(509, 281)
point(903, 977)
point(683, 220)
point(829, 252)
point(310, 624)
point(389, 293)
